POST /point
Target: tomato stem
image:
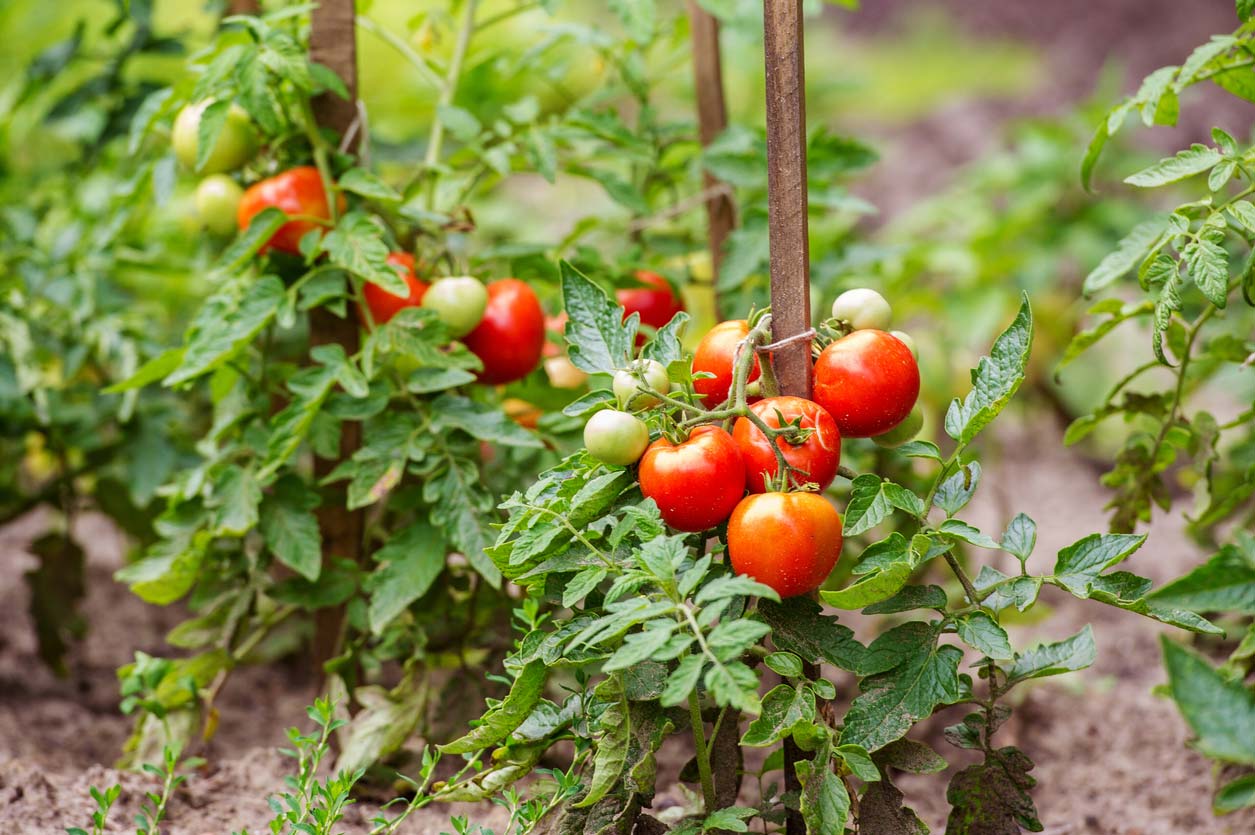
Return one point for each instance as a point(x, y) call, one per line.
point(702, 754)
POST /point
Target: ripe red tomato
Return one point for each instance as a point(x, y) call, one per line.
point(789, 541)
point(656, 302)
point(384, 305)
point(818, 456)
point(299, 193)
point(510, 337)
point(868, 381)
point(695, 483)
point(715, 354)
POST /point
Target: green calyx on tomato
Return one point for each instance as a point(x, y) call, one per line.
point(459, 301)
point(814, 456)
point(235, 144)
point(628, 383)
point(868, 381)
point(697, 482)
point(616, 438)
point(217, 201)
point(862, 308)
point(903, 432)
point(298, 193)
point(788, 541)
point(510, 338)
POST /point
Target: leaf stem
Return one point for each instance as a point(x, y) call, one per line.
point(703, 755)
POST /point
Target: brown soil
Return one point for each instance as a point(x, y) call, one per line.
point(1111, 756)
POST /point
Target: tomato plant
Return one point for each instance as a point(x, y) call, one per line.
point(655, 303)
point(1194, 298)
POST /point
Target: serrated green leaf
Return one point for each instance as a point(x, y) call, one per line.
point(995, 380)
point(980, 632)
point(1208, 265)
point(501, 721)
point(1078, 564)
point(1020, 537)
point(1220, 712)
point(1193, 160)
point(783, 707)
point(1132, 248)
point(799, 626)
point(598, 338)
point(923, 676)
point(408, 566)
point(1070, 654)
point(1225, 583)
point(290, 529)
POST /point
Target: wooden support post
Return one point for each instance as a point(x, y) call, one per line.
point(712, 119)
point(332, 42)
point(790, 248)
point(786, 187)
point(243, 7)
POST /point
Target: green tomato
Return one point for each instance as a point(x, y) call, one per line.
point(863, 309)
point(460, 302)
point(903, 432)
point(615, 437)
point(907, 340)
point(217, 200)
point(235, 145)
point(650, 372)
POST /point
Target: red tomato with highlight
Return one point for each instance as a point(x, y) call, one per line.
point(817, 457)
point(299, 193)
point(384, 305)
point(789, 541)
point(511, 336)
point(656, 303)
point(716, 355)
point(868, 381)
point(695, 483)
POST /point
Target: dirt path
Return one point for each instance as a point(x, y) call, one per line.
point(1111, 757)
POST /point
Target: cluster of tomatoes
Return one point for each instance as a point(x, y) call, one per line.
point(502, 322)
point(784, 533)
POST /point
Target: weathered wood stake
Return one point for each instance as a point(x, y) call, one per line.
point(332, 42)
point(712, 119)
point(790, 247)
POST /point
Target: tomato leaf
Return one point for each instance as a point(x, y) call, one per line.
point(501, 721)
point(599, 339)
point(408, 565)
point(995, 380)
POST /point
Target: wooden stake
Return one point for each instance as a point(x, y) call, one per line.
point(790, 247)
point(712, 119)
point(332, 42)
point(786, 191)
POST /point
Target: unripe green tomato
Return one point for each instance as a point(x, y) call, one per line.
point(235, 145)
point(863, 309)
point(615, 437)
point(907, 340)
point(903, 432)
point(217, 200)
point(459, 301)
point(650, 372)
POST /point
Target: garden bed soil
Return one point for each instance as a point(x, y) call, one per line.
point(1111, 756)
